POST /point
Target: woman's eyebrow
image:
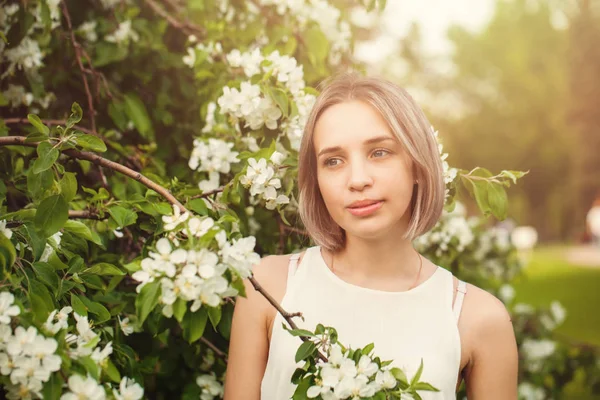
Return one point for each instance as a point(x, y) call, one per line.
point(376, 139)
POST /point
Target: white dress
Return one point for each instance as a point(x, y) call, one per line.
point(404, 326)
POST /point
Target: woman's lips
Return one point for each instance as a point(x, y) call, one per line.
point(366, 210)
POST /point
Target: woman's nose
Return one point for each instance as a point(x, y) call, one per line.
point(359, 175)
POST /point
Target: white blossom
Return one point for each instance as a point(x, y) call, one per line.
point(26, 56)
point(88, 30)
point(172, 221)
point(7, 308)
point(83, 388)
point(128, 390)
point(126, 326)
point(527, 391)
point(58, 320)
point(123, 34)
point(524, 237)
point(210, 387)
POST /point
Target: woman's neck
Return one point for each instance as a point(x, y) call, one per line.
point(368, 261)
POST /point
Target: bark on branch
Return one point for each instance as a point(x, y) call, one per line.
point(101, 161)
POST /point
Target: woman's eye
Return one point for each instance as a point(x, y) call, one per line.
point(380, 151)
point(328, 162)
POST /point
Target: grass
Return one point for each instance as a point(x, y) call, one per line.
point(549, 276)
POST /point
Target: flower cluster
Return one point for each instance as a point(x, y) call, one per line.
point(260, 178)
point(210, 387)
point(449, 173)
point(341, 377)
point(325, 15)
point(214, 157)
point(453, 231)
point(247, 103)
point(27, 356)
point(123, 34)
point(345, 373)
point(211, 50)
point(196, 276)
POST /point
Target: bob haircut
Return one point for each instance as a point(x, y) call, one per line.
point(407, 123)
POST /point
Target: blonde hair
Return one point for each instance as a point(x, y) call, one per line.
point(407, 122)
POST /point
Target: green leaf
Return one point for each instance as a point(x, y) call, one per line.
point(214, 314)
point(68, 186)
point(136, 111)
point(90, 366)
point(317, 45)
point(111, 371)
point(37, 184)
point(368, 348)
point(146, 300)
point(37, 242)
point(38, 124)
point(51, 215)
point(95, 308)
point(122, 216)
point(302, 388)
point(36, 137)
point(40, 308)
point(497, 200)
point(90, 142)
point(305, 350)
point(47, 156)
point(76, 115)
point(399, 375)
point(279, 97)
point(194, 324)
point(417, 376)
point(8, 254)
point(103, 269)
point(81, 229)
point(78, 305)
point(426, 386)
point(47, 274)
point(179, 309)
point(299, 332)
point(76, 264)
point(198, 206)
point(53, 387)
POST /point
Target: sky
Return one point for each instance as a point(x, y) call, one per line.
point(434, 16)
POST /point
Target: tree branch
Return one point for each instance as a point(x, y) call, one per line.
point(206, 194)
point(78, 56)
point(101, 161)
point(186, 27)
point(214, 348)
point(10, 121)
point(286, 315)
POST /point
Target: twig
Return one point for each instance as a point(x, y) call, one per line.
point(96, 159)
point(286, 315)
point(206, 194)
point(188, 28)
point(9, 121)
point(78, 55)
point(214, 348)
point(84, 214)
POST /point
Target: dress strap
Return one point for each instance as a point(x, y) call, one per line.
point(462, 290)
point(292, 267)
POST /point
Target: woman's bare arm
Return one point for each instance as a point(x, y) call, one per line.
point(493, 372)
point(248, 345)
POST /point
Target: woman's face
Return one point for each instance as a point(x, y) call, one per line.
point(358, 158)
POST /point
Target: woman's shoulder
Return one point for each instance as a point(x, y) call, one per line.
point(272, 272)
point(484, 318)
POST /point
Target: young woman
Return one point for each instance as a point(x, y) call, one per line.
point(370, 181)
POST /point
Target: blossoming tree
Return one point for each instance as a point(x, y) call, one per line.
point(125, 235)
